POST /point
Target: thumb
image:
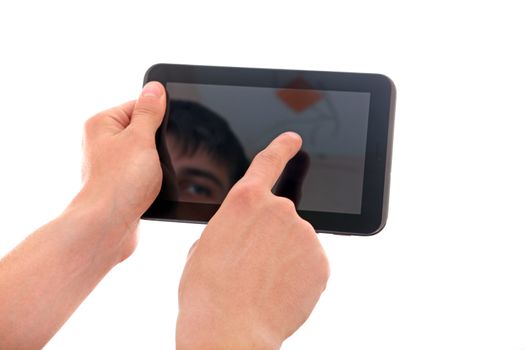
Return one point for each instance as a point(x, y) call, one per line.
point(149, 108)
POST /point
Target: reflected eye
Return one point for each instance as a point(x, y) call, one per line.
point(199, 190)
point(199, 186)
point(194, 189)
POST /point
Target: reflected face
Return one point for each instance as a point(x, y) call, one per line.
point(199, 178)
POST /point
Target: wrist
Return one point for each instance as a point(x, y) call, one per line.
point(208, 333)
point(101, 228)
point(233, 341)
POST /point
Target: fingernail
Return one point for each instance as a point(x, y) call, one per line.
point(153, 88)
point(293, 134)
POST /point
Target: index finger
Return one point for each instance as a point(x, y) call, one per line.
point(268, 164)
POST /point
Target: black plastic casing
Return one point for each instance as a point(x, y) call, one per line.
point(378, 158)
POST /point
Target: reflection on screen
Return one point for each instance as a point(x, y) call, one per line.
point(213, 132)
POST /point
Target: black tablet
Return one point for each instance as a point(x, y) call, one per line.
point(218, 118)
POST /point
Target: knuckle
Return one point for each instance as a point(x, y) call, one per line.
point(268, 156)
point(284, 206)
point(318, 257)
point(306, 228)
point(146, 108)
point(92, 123)
point(324, 267)
point(245, 193)
point(139, 136)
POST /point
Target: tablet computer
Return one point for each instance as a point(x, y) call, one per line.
point(218, 118)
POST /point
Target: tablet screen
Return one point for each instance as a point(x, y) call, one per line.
point(214, 131)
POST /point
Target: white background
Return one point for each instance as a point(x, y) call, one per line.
point(447, 272)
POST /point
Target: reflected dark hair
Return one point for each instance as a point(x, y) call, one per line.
point(197, 127)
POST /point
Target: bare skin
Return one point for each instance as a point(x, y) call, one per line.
point(257, 271)
point(45, 278)
point(251, 281)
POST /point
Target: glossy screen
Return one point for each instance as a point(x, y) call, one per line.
point(213, 131)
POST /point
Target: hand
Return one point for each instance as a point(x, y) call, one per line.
point(258, 269)
point(122, 172)
point(45, 278)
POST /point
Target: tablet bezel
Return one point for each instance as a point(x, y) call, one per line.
point(374, 202)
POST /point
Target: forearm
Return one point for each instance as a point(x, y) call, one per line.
point(48, 275)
